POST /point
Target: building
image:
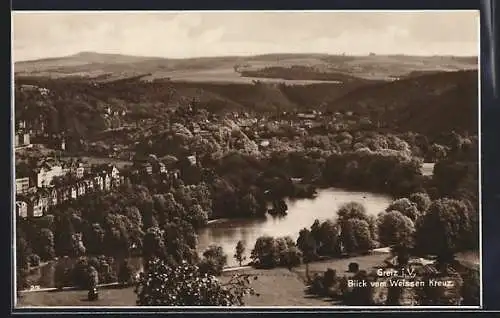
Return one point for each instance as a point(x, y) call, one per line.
point(98, 183)
point(46, 172)
point(38, 205)
point(114, 172)
point(147, 168)
point(89, 186)
point(192, 160)
point(53, 196)
point(73, 192)
point(161, 167)
point(306, 116)
point(264, 143)
point(76, 169)
point(80, 171)
point(22, 185)
point(107, 182)
point(22, 209)
point(81, 189)
point(22, 139)
point(63, 195)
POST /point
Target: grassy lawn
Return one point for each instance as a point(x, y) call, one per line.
point(107, 297)
point(277, 287)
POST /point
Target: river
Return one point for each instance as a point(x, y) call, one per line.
point(226, 233)
point(301, 213)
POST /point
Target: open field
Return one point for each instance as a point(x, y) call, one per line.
point(99, 160)
point(226, 69)
point(277, 287)
point(223, 75)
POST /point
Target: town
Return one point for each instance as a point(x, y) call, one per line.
point(49, 181)
point(176, 168)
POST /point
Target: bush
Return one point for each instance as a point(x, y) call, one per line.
point(34, 260)
point(317, 287)
point(330, 278)
point(214, 260)
point(63, 275)
point(353, 267)
point(471, 289)
point(360, 296)
point(327, 284)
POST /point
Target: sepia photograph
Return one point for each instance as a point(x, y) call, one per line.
point(272, 159)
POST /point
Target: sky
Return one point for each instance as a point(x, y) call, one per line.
point(195, 34)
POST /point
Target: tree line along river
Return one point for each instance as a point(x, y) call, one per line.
point(227, 233)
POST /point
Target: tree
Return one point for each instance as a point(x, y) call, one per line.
point(438, 152)
point(265, 252)
point(445, 228)
point(328, 236)
point(289, 254)
point(315, 231)
point(78, 247)
point(471, 288)
point(308, 246)
point(79, 273)
point(62, 274)
point(134, 226)
point(185, 285)
point(154, 244)
point(22, 253)
point(397, 230)
point(95, 239)
point(93, 277)
point(355, 236)
point(249, 205)
point(198, 216)
point(406, 207)
point(422, 200)
point(291, 257)
point(240, 251)
point(373, 224)
point(214, 260)
point(46, 242)
point(351, 210)
point(125, 273)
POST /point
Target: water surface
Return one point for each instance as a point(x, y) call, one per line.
point(301, 213)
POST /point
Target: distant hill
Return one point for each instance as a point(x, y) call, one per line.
point(430, 103)
point(229, 68)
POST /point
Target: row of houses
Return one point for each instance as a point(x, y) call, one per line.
point(102, 178)
point(152, 165)
point(44, 174)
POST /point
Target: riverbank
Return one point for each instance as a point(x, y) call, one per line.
point(277, 287)
point(215, 221)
